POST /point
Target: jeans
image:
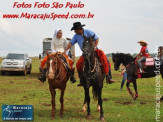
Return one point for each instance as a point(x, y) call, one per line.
point(124, 77)
point(142, 59)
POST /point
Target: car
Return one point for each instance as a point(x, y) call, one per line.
point(16, 62)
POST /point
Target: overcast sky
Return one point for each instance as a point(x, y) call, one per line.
point(120, 24)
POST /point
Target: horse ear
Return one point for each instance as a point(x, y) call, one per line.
point(93, 37)
point(56, 54)
point(47, 53)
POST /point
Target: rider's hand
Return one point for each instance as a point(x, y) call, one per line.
point(95, 48)
point(64, 52)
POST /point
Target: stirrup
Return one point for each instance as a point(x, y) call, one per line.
point(72, 79)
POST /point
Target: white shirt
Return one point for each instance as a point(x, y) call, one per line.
point(59, 44)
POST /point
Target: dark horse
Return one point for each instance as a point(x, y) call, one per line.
point(57, 78)
point(92, 75)
point(129, 62)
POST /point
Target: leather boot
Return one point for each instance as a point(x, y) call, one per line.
point(122, 86)
point(42, 78)
point(81, 83)
point(72, 78)
point(109, 80)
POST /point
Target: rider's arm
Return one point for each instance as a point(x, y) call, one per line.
point(65, 43)
point(68, 46)
point(72, 42)
point(139, 54)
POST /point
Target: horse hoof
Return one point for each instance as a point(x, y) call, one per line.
point(98, 110)
point(83, 110)
point(135, 97)
point(61, 114)
point(102, 119)
point(89, 117)
point(52, 117)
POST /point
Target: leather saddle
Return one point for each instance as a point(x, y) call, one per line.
point(65, 62)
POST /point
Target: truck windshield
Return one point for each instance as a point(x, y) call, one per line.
point(15, 56)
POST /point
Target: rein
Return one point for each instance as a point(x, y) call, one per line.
point(88, 74)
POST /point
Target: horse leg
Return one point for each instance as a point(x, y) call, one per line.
point(128, 88)
point(84, 105)
point(98, 107)
point(53, 93)
point(61, 101)
point(135, 87)
point(88, 102)
point(100, 103)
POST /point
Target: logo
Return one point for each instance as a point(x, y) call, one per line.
point(146, 51)
point(17, 112)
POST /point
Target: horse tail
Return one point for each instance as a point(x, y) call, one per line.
point(95, 92)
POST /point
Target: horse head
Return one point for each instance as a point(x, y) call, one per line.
point(116, 61)
point(52, 65)
point(119, 58)
point(88, 46)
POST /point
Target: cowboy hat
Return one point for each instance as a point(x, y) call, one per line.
point(143, 41)
point(77, 25)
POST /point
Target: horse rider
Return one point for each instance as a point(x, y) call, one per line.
point(59, 43)
point(144, 53)
point(78, 38)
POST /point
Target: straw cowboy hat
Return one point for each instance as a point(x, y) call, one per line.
point(143, 41)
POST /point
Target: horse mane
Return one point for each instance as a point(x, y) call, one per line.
point(125, 58)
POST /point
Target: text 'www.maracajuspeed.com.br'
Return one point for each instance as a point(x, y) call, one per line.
point(52, 16)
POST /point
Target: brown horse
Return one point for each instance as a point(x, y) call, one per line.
point(57, 78)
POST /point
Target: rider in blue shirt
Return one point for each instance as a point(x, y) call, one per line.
point(78, 38)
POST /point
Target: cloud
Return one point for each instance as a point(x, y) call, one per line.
point(119, 24)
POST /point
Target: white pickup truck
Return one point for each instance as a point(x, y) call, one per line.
point(15, 62)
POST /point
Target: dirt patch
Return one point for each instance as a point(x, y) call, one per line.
point(124, 103)
point(22, 100)
point(40, 115)
point(46, 104)
point(117, 75)
point(114, 89)
point(142, 103)
point(11, 82)
point(5, 91)
point(25, 97)
point(105, 99)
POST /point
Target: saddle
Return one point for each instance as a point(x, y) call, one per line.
point(149, 62)
point(65, 61)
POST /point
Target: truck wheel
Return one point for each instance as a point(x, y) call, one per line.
point(25, 72)
point(2, 73)
point(29, 72)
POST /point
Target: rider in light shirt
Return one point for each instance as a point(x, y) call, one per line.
point(59, 43)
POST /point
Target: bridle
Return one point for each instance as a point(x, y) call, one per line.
point(56, 75)
point(91, 73)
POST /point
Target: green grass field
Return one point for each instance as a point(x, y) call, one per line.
point(118, 105)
